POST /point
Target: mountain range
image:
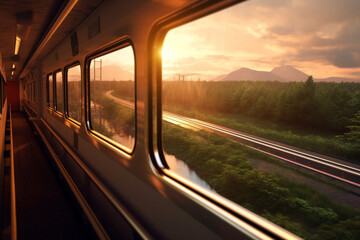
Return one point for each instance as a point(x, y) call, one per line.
point(114, 72)
point(284, 73)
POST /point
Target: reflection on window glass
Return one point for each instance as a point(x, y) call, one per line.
point(59, 92)
point(112, 96)
point(74, 92)
point(241, 84)
point(50, 90)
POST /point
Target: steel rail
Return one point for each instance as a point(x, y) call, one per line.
point(199, 124)
point(308, 157)
point(256, 140)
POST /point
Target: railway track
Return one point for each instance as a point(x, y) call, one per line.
point(312, 162)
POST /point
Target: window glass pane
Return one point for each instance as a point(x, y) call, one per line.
point(5, 92)
point(1, 93)
point(59, 92)
point(253, 94)
point(50, 90)
point(112, 96)
point(74, 92)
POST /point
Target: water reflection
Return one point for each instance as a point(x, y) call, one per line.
point(181, 168)
point(126, 140)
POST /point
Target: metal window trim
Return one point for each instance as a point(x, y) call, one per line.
point(185, 15)
point(119, 44)
point(50, 74)
point(66, 106)
point(55, 97)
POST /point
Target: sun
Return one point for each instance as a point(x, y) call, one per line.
point(167, 55)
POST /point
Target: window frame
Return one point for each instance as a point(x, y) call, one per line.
point(1, 94)
point(4, 91)
point(155, 121)
point(48, 104)
point(66, 100)
point(118, 45)
point(55, 92)
point(157, 37)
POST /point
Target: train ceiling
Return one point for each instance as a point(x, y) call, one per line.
point(28, 22)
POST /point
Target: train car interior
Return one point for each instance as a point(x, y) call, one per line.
point(179, 119)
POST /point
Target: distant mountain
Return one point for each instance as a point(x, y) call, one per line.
point(283, 73)
point(114, 72)
point(219, 78)
point(289, 73)
point(244, 74)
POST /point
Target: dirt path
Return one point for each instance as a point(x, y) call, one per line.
point(331, 187)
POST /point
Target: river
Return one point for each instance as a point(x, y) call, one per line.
point(176, 165)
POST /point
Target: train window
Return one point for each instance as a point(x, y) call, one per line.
point(112, 96)
point(50, 90)
point(1, 94)
point(255, 99)
point(4, 91)
point(73, 78)
point(59, 92)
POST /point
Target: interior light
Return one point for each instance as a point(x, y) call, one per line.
point(12, 73)
point(17, 45)
point(64, 13)
point(13, 66)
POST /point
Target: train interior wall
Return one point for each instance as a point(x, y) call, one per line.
point(123, 195)
point(13, 95)
point(129, 178)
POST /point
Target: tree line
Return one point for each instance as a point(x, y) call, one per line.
point(329, 108)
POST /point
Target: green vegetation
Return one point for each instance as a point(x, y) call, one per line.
point(121, 118)
point(354, 134)
point(74, 99)
point(308, 115)
point(305, 114)
point(122, 89)
point(125, 90)
point(224, 165)
point(337, 146)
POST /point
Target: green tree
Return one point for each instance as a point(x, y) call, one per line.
point(354, 133)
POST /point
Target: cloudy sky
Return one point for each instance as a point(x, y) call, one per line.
point(320, 38)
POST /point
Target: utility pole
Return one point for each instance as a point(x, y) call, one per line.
point(100, 89)
point(101, 92)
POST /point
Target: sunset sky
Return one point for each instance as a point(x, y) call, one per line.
point(320, 38)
